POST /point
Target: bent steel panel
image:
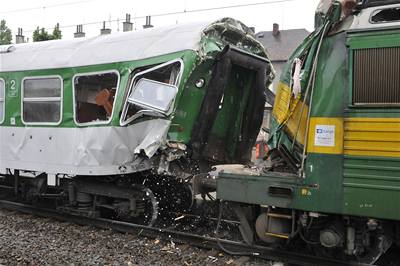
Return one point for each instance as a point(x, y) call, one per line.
point(215, 91)
point(81, 151)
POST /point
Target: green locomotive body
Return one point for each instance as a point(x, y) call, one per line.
point(335, 137)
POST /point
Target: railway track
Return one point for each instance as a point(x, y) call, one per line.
point(236, 248)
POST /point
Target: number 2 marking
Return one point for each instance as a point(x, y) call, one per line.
point(13, 89)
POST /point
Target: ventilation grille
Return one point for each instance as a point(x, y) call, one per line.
point(376, 78)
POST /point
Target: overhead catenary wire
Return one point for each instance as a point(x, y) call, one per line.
point(45, 7)
point(185, 11)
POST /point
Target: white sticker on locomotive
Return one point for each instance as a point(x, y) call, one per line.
point(324, 135)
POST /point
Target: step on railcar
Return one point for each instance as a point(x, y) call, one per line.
point(120, 123)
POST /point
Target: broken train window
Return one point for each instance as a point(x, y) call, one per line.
point(94, 96)
point(386, 15)
point(42, 100)
point(152, 92)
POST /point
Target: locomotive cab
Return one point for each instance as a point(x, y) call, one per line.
point(331, 181)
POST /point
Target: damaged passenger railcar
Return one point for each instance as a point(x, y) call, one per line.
point(85, 116)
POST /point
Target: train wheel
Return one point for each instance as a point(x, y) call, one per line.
point(150, 207)
point(142, 210)
point(146, 211)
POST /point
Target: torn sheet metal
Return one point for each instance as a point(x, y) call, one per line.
point(81, 151)
point(154, 139)
point(234, 33)
point(342, 9)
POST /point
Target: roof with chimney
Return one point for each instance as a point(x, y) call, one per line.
point(280, 44)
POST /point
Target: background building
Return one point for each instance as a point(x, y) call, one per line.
point(280, 45)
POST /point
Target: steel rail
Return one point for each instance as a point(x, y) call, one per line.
point(207, 242)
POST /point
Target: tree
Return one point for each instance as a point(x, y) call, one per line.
point(40, 35)
point(5, 33)
point(56, 33)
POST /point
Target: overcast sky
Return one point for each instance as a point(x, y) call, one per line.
point(28, 14)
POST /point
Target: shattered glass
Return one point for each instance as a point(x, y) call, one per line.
point(386, 15)
point(152, 91)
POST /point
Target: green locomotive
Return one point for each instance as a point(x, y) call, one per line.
point(121, 123)
point(332, 179)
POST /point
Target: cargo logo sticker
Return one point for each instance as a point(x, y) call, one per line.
point(324, 135)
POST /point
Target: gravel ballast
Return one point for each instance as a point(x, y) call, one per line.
point(30, 240)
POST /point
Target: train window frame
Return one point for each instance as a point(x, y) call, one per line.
point(58, 99)
point(92, 123)
point(149, 105)
point(123, 121)
point(3, 100)
point(375, 12)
